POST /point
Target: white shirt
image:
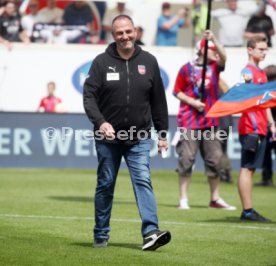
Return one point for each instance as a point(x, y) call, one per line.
point(28, 22)
point(48, 15)
point(63, 37)
point(232, 25)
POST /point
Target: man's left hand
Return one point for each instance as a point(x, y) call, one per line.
point(162, 145)
point(273, 131)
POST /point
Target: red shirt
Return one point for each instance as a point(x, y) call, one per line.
point(48, 104)
point(253, 122)
point(188, 81)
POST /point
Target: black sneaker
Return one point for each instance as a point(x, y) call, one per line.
point(156, 239)
point(254, 217)
point(100, 243)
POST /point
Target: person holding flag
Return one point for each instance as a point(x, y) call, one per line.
point(194, 104)
point(252, 130)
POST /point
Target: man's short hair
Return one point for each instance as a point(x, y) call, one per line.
point(122, 16)
point(51, 83)
point(166, 5)
point(251, 43)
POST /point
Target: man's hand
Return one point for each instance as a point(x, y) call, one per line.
point(107, 130)
point(273, 131)
point(198, 105)
point(162, 145)
point(209, 35)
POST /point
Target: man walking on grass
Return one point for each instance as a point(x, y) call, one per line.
point(124, 93)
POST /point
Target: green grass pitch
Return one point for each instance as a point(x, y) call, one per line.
point(46, 218)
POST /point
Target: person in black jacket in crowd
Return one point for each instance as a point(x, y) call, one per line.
point(123, 95)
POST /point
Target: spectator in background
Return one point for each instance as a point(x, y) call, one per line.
point(193, 121)
point(101, 8)
point(252, 130)
point(261, 25)
point(199, 19)
point(79, 13)
point(2, 7)
point(109, 15)
point(267, 172)
point(139, 35)
point(168, 25)
point(232, 21)
point(51, 13)
point(10, 27)
point(28, 21)
point(56, 34)
point(51, 103)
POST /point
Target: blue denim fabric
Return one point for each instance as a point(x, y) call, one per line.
point(137, 159)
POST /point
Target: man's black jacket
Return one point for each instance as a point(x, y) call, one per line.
point(125, 93)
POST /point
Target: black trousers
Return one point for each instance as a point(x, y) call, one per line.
point(267, 172)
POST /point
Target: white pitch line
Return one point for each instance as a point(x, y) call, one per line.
point(3, 215)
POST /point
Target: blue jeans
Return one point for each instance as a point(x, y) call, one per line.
point(137, 159)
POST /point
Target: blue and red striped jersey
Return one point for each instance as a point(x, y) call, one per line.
point(253, 122)
point(188, 81)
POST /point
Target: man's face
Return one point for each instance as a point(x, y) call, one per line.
point(166, 11)
point(259, 52)
point(10, 9)
point(124, 34)
point(212, 55)
point(232, 4)
point(79, 4)
point(121, 7)
point(34, 7)
point(51, 3)
point(197, 2)
point(51, 89)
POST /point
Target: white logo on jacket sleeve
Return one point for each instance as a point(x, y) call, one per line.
point(142, 69)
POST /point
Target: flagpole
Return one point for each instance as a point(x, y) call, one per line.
point(208, 22)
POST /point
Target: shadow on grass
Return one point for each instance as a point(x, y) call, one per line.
point(85, 199)
point(72, 198)
point(125, 245)
point(199, 206)
point(224, 220)
point(175, 206)
point(120, 245)
point(236, 220)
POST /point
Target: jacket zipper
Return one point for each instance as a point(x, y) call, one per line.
point(128, 91)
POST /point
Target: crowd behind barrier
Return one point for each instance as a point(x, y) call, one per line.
point(89, 22)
